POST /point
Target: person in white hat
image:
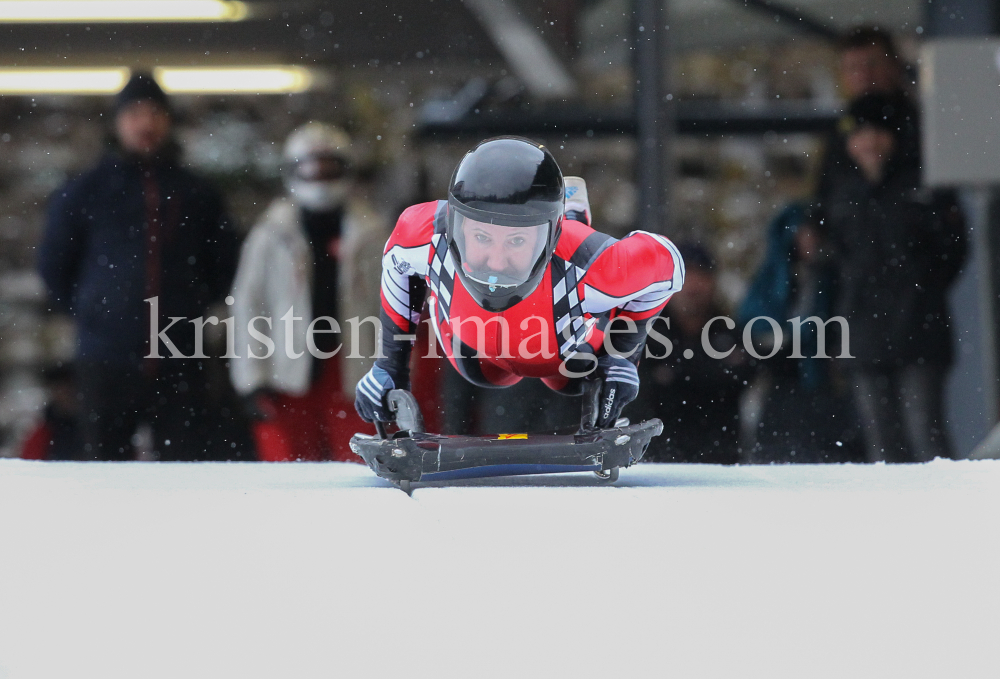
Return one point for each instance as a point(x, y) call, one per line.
point(309, 264)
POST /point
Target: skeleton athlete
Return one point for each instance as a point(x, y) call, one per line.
point(520, 285)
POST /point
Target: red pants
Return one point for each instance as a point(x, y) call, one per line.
point(319, 425)
point(36, 445)
point(316, 426)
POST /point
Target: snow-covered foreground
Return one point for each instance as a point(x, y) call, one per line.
point(323, 570)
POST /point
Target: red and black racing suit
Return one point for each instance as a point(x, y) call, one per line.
point(592, 280)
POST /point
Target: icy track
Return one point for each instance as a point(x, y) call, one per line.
point(185, 571)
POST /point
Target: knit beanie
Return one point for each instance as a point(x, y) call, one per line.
point(140, 86)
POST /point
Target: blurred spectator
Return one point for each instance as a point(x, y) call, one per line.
point(798, 409)
point(870, 64)
point(134, 230)
point(899, 247)
point(695, 395)
point(315, 254)
point(55, 437)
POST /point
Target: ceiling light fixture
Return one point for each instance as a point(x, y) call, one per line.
point(102, 11)
point(62, 80)
point(219, 80)
point(248, 80)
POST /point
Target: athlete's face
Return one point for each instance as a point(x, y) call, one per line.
point(506, 250)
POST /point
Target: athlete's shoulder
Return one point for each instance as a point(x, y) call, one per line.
point(580, 244)
point(416, 224)
point(640, 262)
point(642, 248)
point(573, 233)
point(419, 216)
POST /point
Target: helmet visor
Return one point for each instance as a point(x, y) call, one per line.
point(496, 255)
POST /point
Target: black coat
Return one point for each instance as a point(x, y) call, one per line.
point(99, 262)
point(697, 398)
point(836, 163)
point(899, 247)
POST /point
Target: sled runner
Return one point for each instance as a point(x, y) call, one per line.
point(413, 455)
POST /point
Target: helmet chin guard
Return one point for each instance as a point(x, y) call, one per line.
point(505, 208)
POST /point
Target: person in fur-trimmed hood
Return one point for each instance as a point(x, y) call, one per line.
point(309, 265)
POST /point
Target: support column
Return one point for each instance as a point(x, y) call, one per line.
point(973, 392)
point(655, 112)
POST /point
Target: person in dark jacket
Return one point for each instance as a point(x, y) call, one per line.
point(800, 406)
point(869, 64)
point(130, 245)
point(899, 248)
point(695, 395)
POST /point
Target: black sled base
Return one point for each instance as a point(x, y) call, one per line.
point(412, 455)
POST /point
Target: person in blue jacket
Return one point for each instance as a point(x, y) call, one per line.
point(798, 409)
point(128, 245)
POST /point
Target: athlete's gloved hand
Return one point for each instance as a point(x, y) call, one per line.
point(620, 387)
point(370, 396)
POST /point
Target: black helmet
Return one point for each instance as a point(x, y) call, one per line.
point(505, 208)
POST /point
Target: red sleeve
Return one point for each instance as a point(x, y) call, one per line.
point(405, 262)
point(636, 275)
point(414, 227)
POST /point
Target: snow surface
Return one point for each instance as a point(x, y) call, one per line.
point(149, 570)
